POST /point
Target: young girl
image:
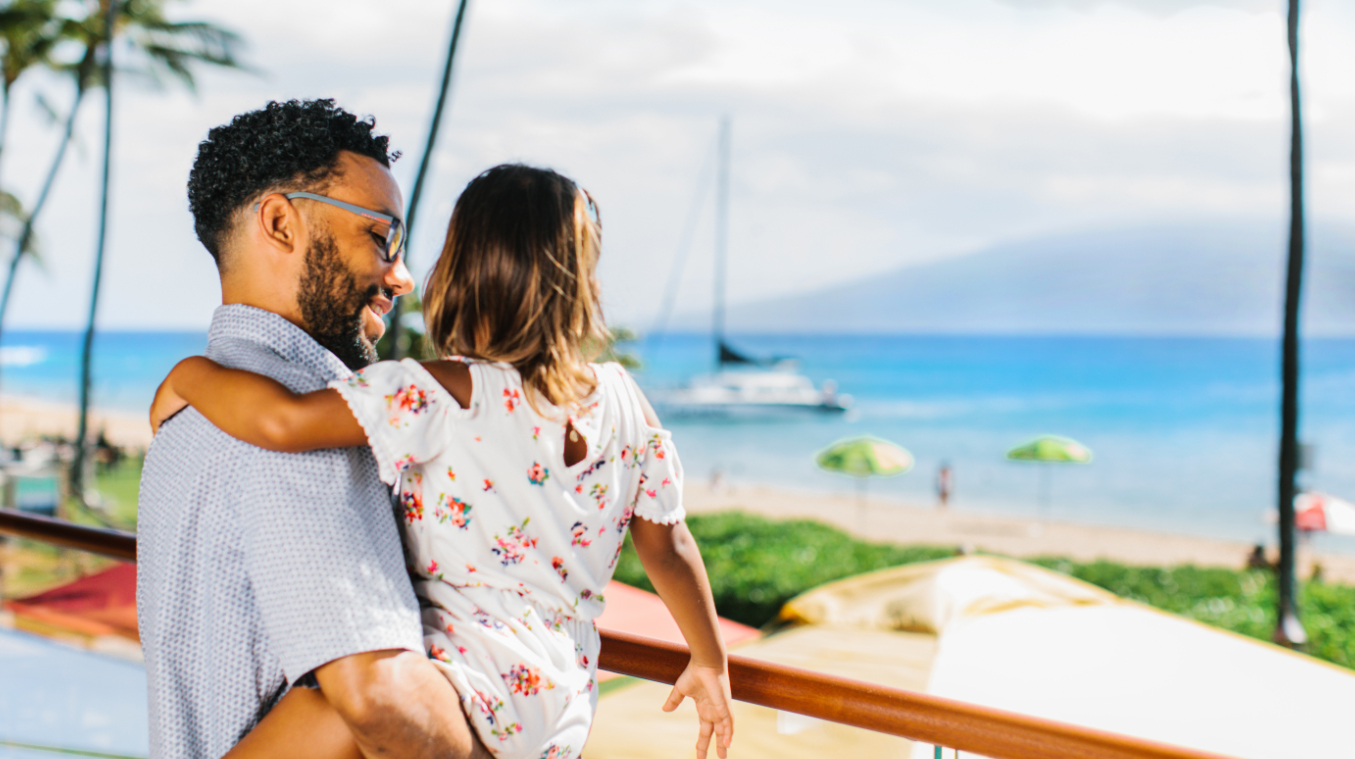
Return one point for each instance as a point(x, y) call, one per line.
point(519, 467)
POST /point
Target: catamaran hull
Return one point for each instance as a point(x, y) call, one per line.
point(750, 394)
point(746, 410)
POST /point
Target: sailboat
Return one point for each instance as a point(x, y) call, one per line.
point(742, 385)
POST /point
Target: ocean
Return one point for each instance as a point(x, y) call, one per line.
point(1184, 430)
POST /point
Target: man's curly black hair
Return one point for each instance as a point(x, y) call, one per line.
point(281, 147)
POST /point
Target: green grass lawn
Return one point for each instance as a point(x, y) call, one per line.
point(119, 487)
point(36, 566)
point(757, 564)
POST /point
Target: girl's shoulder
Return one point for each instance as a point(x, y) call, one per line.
point(501, 373)
point(446, 383)
point(469, 380)
point(491, 371)
point(383, 373)
point(609, 371)
point(616, 385)
point(612, 381)
point(454, 377)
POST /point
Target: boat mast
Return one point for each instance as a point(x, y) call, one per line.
point(721, 240)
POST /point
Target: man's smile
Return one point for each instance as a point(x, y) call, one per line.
point(381, 305)
point(373, 324)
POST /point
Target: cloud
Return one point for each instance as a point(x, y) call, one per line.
point(1156, 7)
point(882, 133)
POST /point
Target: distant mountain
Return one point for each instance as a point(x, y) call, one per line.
point(1205, 279)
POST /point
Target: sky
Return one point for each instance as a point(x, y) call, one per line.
point(867, 134)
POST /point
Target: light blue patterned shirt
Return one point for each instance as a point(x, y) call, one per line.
point(256, 567)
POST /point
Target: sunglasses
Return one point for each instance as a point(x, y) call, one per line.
point(395, 230)
point(592, 208)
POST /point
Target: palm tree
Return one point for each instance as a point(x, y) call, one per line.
point(400, 342)
point(1288, 629)
point(162, 47)
point(29, 30)
point(24, 241)
point(159, 48)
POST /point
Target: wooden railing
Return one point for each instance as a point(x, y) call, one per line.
point(111, 543)
point(917, 716)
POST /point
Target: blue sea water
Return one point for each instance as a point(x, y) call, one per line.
point(127, 366)
point(1184, 429)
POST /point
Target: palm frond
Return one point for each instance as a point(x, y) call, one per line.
point(54, 117)
point(12, 218)
point(172, 50)
point(48, 110)
point(30, 30)
point(149, 47)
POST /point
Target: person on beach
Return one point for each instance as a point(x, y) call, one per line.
point(519, 466)
point(943, 485)
point(260, 570)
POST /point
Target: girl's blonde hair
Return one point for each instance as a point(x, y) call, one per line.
point(516, 282)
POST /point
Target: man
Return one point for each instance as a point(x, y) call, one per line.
point(261, 570)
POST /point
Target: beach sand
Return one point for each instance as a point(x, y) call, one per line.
point(22, 417)
point(892, 521)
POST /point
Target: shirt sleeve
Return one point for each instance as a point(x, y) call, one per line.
point(660, 496)
point(403, 410)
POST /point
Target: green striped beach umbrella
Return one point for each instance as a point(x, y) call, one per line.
point(863, 458)
point(1050, 449)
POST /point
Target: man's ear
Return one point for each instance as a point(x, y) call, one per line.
point(279, 223)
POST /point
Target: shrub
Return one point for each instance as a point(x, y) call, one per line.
point(757, 564)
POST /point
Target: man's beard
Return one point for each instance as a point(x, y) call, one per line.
point(332, 305)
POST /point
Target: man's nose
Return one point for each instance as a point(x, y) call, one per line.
point(398, 278)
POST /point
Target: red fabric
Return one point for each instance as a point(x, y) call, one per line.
point(99, 604)
point(640, 612)
point(105, 604)
point(1313, 518)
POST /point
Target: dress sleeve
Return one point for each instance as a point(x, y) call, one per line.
point(403, 410)
point(660, 496)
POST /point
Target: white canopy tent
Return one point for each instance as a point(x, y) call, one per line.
point(1014, 636)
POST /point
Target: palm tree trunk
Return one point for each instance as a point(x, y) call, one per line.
point(4, 130)
point(4, 116)
point(1288, 629)
point(82, 434)
point(26, 235)
point(399, 343)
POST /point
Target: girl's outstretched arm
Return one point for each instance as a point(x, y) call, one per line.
point(674, 565)
point(257, 409)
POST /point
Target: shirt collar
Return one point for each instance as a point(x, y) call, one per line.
point(237, 321)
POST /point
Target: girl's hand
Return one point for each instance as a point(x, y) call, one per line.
point(709, 688)
point(167, 403)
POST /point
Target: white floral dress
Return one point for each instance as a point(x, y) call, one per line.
point(509, 547)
